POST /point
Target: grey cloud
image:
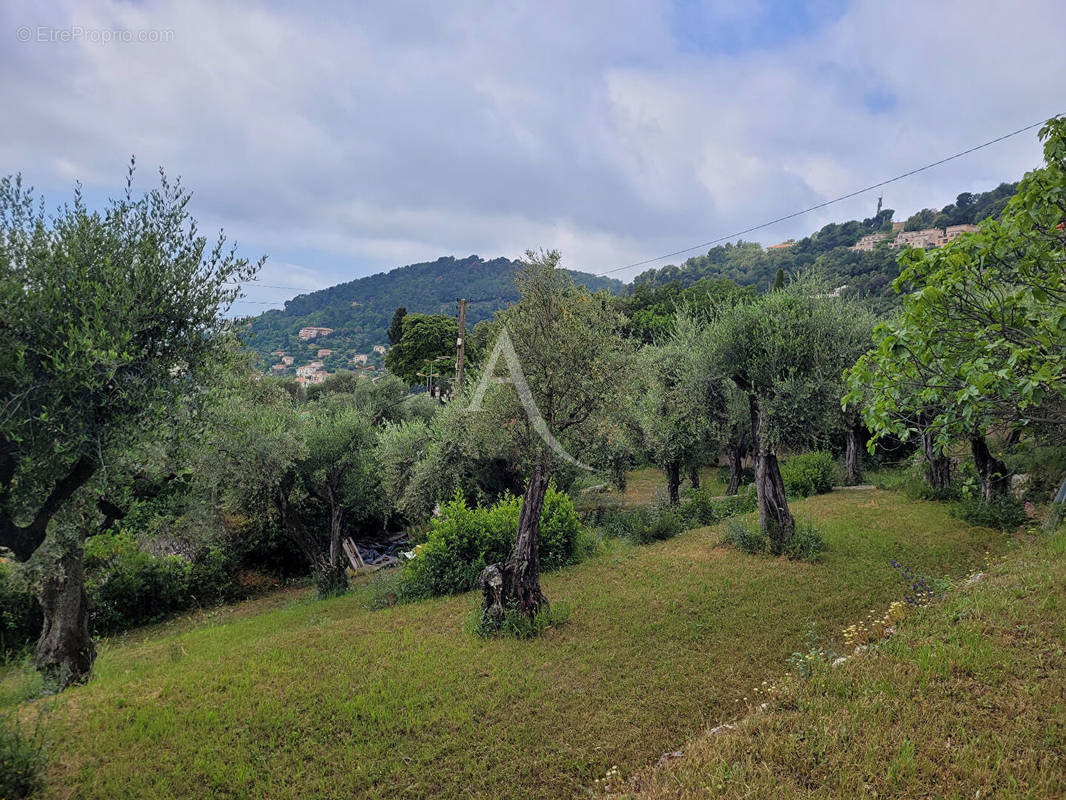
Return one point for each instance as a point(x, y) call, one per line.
point(363, 135)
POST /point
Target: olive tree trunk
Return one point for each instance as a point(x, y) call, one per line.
point(673, 482)
point(993, 472)
point(330, 576)
point(516, 582)
point(852, 455)
point(775, 519)
point(65, 651)
point(335, 581)
point(694, 474)
point(735, 455)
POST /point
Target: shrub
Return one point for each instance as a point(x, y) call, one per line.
point(21, 758)
point(1005, 513)
point(640, 525)
point(463, 540)
point(744, 538)
point(129, 586)
point(20, 613)
point(658, 525)
point(805, 544)
point(809, 473)
point(614, 523)
point(704, 509)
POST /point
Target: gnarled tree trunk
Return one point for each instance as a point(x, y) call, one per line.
point(65, 651)
point(336, 581)
point(994, 479)
point(673, 482)
point(694, 474)
point(735, 455)
point(328, 572)
point(937, 465)
point(852, 455)
point(516, 583)
point(775, 520)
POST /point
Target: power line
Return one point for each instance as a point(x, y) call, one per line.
point(254, 282)
point(826, 203)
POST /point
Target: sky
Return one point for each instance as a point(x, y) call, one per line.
point(343, 139)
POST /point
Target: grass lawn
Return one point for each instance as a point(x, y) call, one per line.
point(324, 699)
point(966, 700)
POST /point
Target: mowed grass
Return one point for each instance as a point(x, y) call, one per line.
point(325, 699)
point(967, 700)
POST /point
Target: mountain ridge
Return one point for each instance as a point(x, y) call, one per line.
point(359, 311)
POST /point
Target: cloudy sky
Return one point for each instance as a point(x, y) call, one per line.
point(348, 138)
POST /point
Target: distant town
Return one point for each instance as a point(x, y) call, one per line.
point(314, 371)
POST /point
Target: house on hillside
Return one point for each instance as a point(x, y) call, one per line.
point(360, 358)
point(313, 332)
point(927, 237)
point(287, 360)
point(379, 348)
point(324, 352)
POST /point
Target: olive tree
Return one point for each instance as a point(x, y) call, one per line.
point(675, 415)
point(338, 472)
point(309, 468)
point(109, 321)
point(570, 356)
point(785, 353)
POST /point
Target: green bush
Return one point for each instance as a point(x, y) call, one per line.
point(1005, 513)
point(640, 525)
point(20, 613)
point(805, 544)
point(129, 586)
point(744, 538)
point(703, 509)
point(658, 525)
point(22, 758)
point(809, 473)
point(463, 540)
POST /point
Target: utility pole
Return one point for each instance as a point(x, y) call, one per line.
point(460, 346)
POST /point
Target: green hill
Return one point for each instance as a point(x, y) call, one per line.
point(359, 311)
point(829, 250)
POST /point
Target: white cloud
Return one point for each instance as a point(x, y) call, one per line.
point(350, 140)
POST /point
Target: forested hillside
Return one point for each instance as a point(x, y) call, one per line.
point(868, 273)
point(359, 311)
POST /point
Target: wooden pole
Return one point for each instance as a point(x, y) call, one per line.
point(460, 346)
